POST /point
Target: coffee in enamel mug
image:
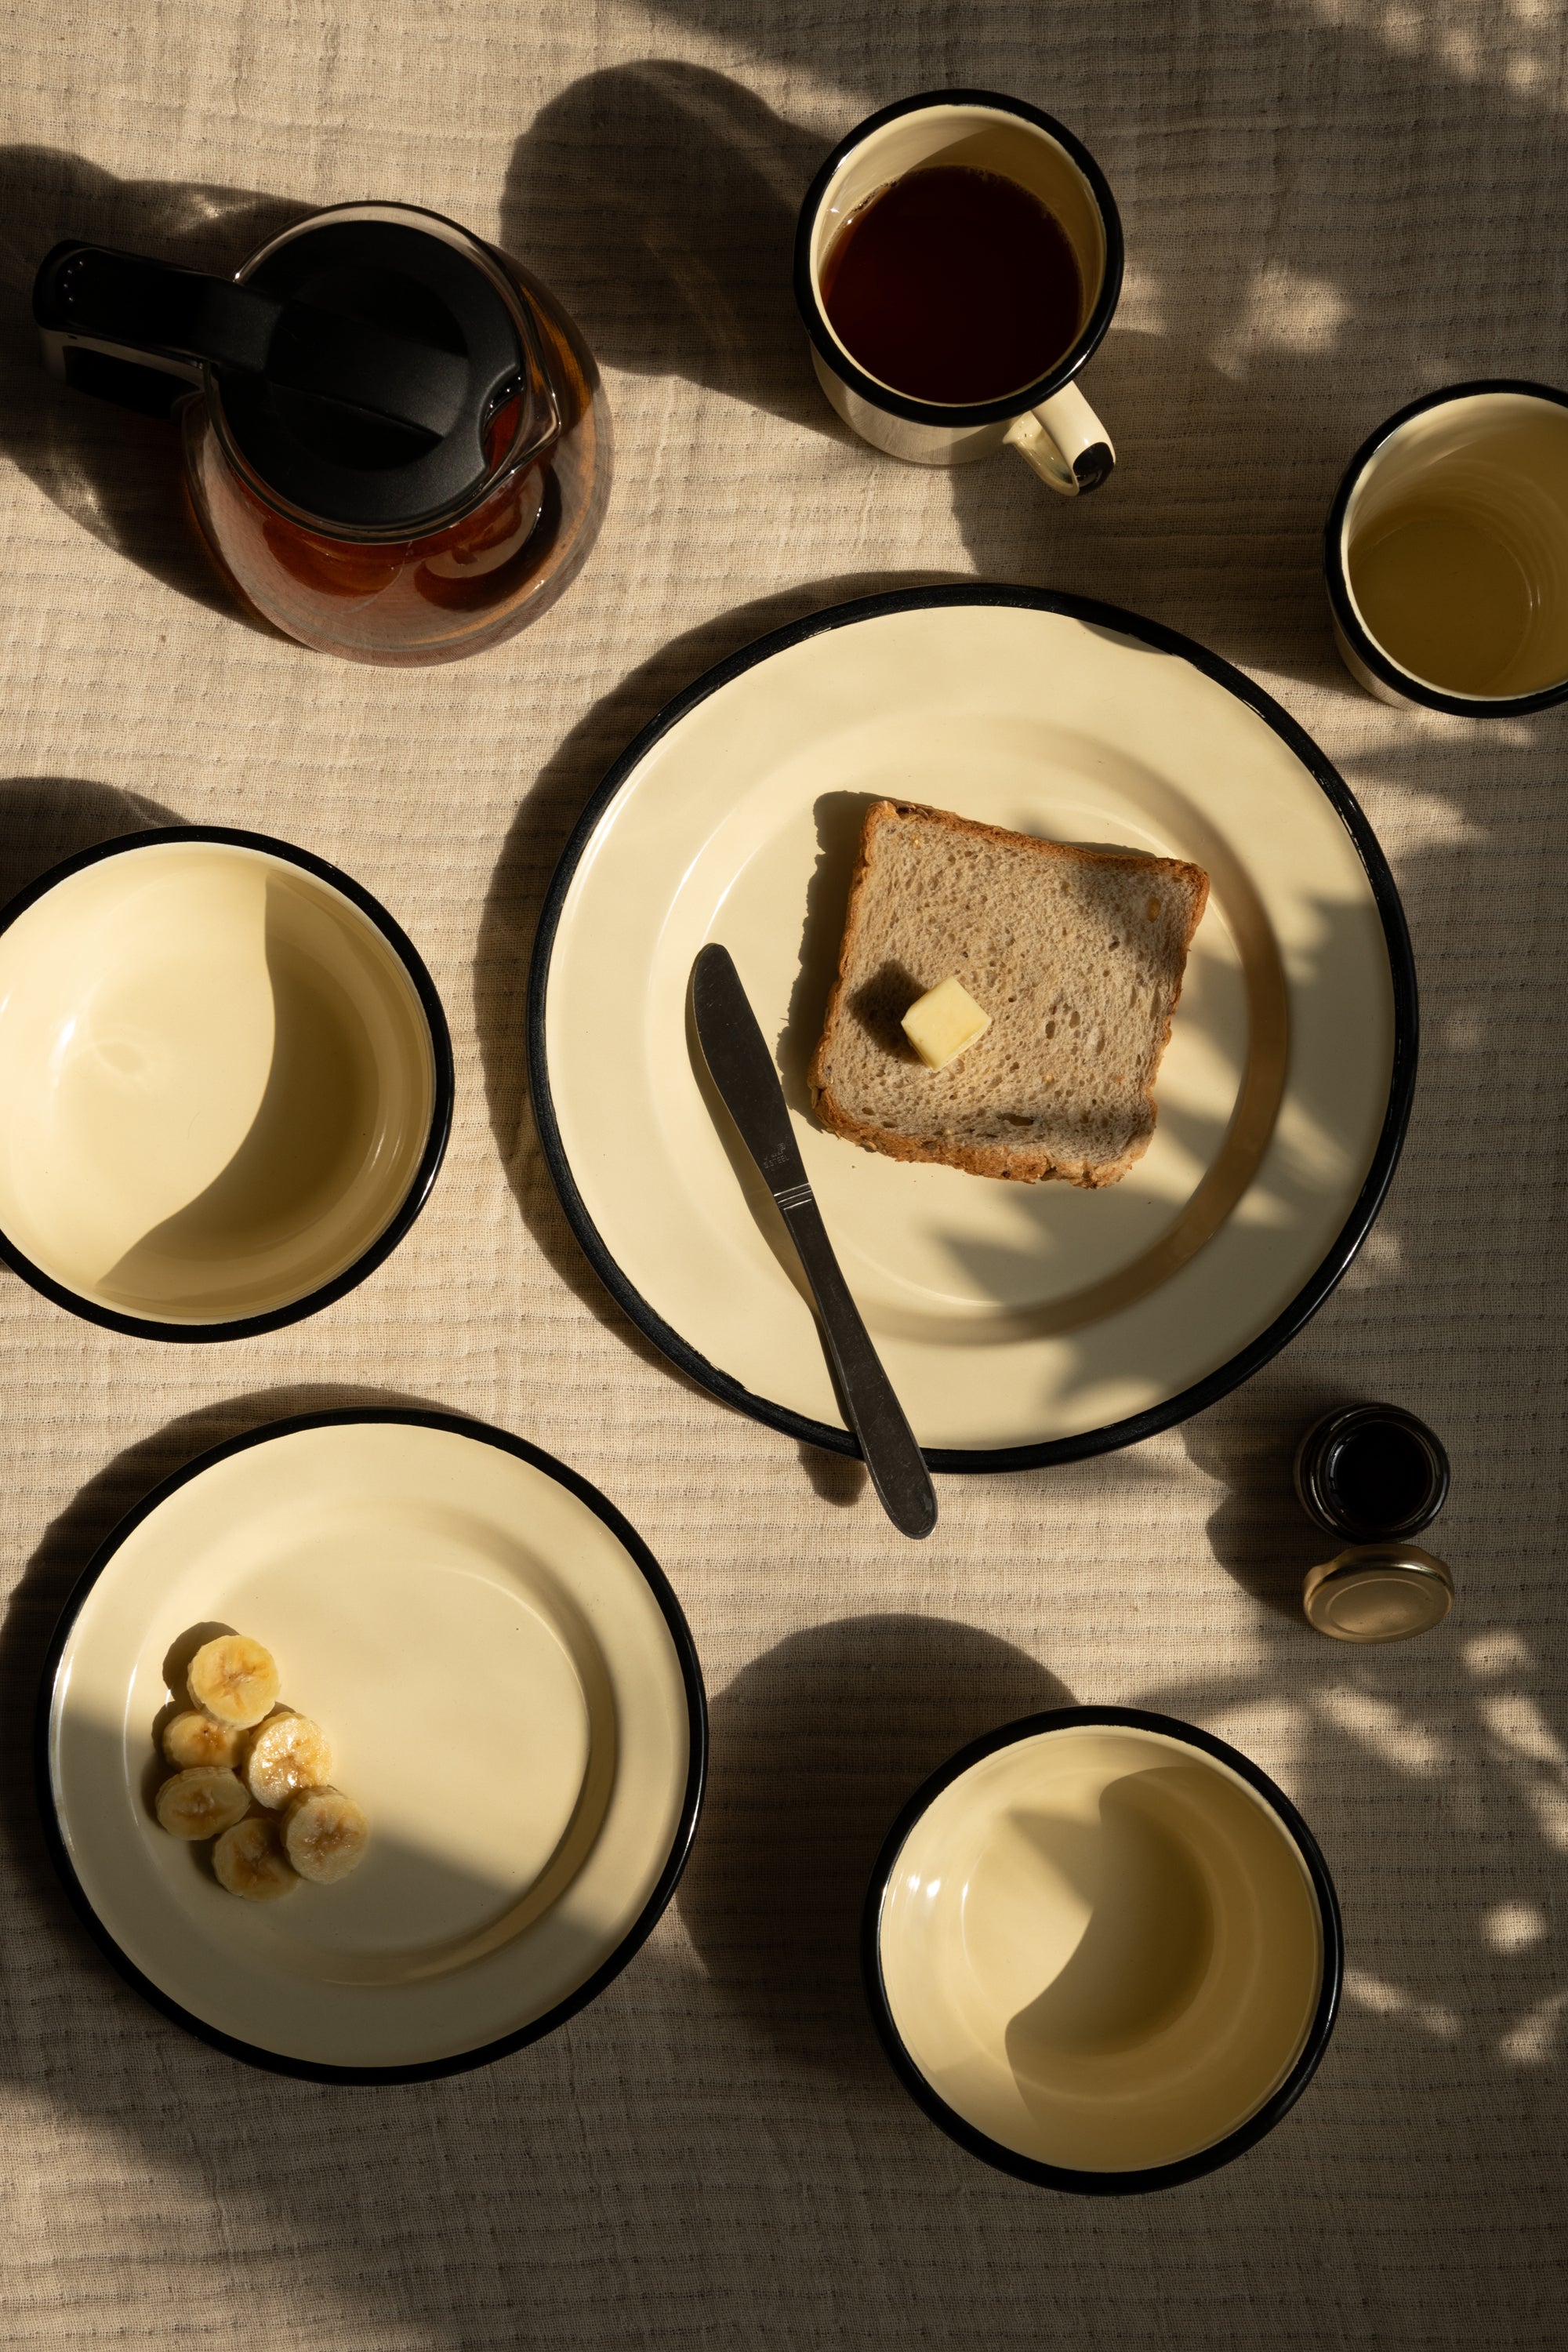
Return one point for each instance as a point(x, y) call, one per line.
point(954, 285)
point(957, 262)
point(1447, 552)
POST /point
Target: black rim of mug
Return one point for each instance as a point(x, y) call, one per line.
point(1367, 650)
point(462, 2062)
point(246, 1327)
point(981, 412)
point(1111, 1435)
point(1031, 2169)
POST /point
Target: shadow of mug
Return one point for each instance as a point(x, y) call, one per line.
point(659, 201)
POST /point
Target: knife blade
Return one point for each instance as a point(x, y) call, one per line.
point(742, 1070)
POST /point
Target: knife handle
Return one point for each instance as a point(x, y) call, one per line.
point(897, 1466)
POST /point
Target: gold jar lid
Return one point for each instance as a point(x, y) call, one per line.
point(1378, 1592)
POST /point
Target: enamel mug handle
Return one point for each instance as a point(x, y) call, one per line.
point(1065, 442)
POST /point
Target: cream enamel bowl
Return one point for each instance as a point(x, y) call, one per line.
point(227, 1081)
point(1102, 1950)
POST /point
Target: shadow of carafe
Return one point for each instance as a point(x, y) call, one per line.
point(119, 475)
point(815, 1748)
point(659, 201)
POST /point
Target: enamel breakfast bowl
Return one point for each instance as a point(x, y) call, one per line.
point(228, 1084)
point(1102, 1950)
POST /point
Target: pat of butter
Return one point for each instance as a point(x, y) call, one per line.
point(942, 1022)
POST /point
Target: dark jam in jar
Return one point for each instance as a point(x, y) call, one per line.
point(443, 592)
point(1372, 1470)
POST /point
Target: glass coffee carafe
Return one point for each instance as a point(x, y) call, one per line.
point(396, 445)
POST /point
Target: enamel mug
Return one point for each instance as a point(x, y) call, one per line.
point(1050, 423)
point(1447, 552)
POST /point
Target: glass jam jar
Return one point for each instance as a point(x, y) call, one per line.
point(1372, 1470)
point(1376, 1474)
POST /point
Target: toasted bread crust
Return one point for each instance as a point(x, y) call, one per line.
point(1016, 1163)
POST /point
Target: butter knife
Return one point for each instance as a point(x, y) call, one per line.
point(742, 1070)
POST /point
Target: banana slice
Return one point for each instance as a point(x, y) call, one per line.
point(288, 1753)
point(234, 1680)
point(248, 1861)
point(200, 1802)
point(195, 1738)
point(324, 1835)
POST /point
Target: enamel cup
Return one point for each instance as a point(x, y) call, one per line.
point(1049, 422)
point(1447, 552)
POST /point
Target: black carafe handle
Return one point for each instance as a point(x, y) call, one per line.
point(156, 324)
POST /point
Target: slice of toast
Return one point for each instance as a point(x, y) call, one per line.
point(1077, 954)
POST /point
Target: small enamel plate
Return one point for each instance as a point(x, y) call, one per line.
point(1020, 1323)
point(511, 1693)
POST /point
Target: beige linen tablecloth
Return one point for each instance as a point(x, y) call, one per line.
point(1331, 205)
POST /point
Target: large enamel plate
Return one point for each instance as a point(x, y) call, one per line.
point(1020, 1323)
point(511, 1691)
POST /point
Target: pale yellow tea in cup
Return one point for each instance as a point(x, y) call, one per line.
point(1455, 547)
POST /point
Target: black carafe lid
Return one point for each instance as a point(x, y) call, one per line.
point(358, 364)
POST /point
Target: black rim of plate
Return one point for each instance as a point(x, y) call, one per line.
point(246, 1327)
point(464, 2060)
point(1055, 2176)
point(1402, 1079)
point(1404, 682)
point(977, 412)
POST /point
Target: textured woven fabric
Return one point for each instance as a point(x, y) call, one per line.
point(1331, 205)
